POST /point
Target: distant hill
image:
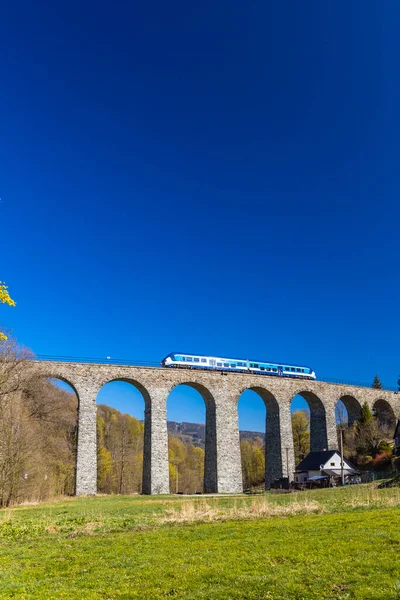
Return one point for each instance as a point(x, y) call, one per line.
point(194, 433)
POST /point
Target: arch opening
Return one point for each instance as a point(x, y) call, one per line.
point(192, 450)
point(265, 457)
point(385, 416)
point(252, 422)
point(347, 410)
point(307, 406)
point(120, 436)
point(300, 419)
point(38, 441)
point(347, 415)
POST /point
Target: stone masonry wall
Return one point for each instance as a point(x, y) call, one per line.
point(220, 392)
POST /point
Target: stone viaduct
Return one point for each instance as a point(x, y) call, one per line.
point(220, 392)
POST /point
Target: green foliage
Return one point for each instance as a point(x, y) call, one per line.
point(301, 434)
point(368, 433)
point(377, 384)
point(186, 466)
point(253, 462)
point(120, 452)
point(366, 415)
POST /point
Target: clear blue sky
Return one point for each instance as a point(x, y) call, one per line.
point(218, 177)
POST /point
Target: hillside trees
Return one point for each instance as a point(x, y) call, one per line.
point(119, 452)
point(186, 466)
point(37, 441)
point(253, 462)
point(366, 438)
point(301, 434)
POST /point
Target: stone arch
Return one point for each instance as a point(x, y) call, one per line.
point(353, 408)
point(48, 375)
point(273, 442)
point(129, 474)
point(210, 460)
point(136, 384)
point(318, 424)
point(384, 413)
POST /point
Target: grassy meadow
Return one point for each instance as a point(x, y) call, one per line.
point(322, 544)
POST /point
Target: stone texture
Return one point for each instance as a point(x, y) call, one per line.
point(155, 451)
point(86, 454)
point(220, 392)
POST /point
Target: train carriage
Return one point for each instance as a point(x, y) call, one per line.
point(238, 365)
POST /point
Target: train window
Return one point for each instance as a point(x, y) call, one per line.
point(298, 370)
point(240, 364)
point(196, 360)
point(233, 365)
point(219, 364)
point(183, 358)
point(255, 365)
point(189, 359)
point(226, 364)
point(262, 368)
point(291, 368)
point(275, 370)
point(203, 360)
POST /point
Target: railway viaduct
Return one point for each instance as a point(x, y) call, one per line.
point(220, 392)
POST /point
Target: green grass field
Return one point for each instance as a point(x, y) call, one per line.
point(342, 543)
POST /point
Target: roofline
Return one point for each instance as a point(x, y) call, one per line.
point(297, 470)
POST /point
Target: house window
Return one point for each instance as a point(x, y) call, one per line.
point(332, 464)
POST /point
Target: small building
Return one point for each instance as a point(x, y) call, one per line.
point(324, 465)
point(396, 450)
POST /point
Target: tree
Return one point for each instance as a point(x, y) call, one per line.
point(253, 462)
point(377, 383)
point(368, 434)
point(366, 415)
point(12, 366)
point(301, 434)
point(5, 298)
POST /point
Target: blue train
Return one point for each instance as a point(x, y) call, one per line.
point(237, 365)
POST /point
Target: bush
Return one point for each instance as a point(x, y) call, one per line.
point(381, 460)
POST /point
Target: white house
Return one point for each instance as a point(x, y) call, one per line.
point(322, 465)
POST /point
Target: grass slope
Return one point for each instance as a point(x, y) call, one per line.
point(326, 545)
